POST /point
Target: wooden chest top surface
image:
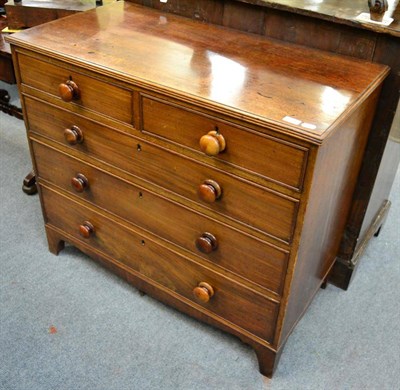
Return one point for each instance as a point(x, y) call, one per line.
point(256, 78)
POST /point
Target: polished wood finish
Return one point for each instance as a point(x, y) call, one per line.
point(69, 91)
point(73, 135)
point(324, 230)
point(203, 292)
point(48, 77)
point(242, 254)
point(210, 191)
point(29, 13)
point(213, 143)
point(249, 95)
point(207, 243)
point(267, 239)
point(272, 212)
point(155, 261)
point(86, 230)
point(330, 25)
point(80, 182)
point(263, 154)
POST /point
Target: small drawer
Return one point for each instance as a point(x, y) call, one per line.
point(266, 156)
point(79, 89)
point(255, 206)
point(231, 301)
point(255, 260)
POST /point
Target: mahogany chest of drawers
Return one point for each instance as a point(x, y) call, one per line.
point(210, 168)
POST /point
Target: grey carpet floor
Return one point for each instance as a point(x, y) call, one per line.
point(66, 323)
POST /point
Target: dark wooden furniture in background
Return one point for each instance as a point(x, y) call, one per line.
point(329, 25)
point(6, 66)
point(6, 74)
point(377, 9)
point(29, 13)
point(21, 15)
point(212, 169)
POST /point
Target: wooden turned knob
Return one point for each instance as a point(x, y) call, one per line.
point(207, 243)
point(80, 182)
point(69, 91)
point(86, 229)
point(203, 292)
point(209, 191)
point(73, 135)
point(377, 9)
point(212, 143)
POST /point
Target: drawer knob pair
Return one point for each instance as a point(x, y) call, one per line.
point(73, 135)
point(207, 243)
point(80, 182)
point(209, 191)
point(203, 292)
point(212, 143)
point(69, 91)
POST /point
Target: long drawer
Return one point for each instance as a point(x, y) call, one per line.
point(97, 95)
point(266, 156)
point(255, 206)
point(258, 261)
point(231, 301)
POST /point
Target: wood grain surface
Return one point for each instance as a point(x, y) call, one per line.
point(255, 260)
point(136, 190)
point(246, 14)
point(254, 76)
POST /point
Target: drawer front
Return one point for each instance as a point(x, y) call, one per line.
point(95, 94)
point(250, 258)
point(266, 156)
point(252, 205)
point(231, 301)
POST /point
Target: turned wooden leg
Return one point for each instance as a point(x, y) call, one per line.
point(381, 219)
point(267, 359)
point(376, 234)
point(56, 244)
point(345, 267)
point(29, 184)
point(8, 108)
